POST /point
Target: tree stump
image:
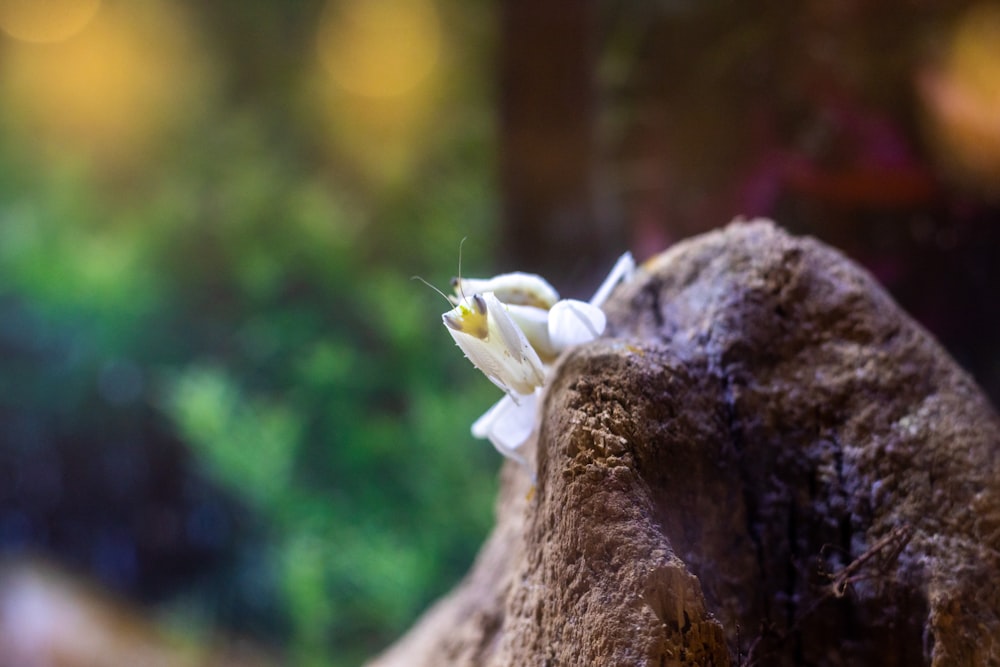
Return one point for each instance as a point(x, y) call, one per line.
point(763, 462)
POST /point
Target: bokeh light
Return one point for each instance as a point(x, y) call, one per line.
point(122, 80)
point(962, 98)
point(44, 21)
point(381, 48)
point(380, 69)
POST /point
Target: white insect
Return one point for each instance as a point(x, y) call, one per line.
point(512, 327)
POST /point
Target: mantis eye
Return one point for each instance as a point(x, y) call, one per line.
point(469, 317)
point(480, 303)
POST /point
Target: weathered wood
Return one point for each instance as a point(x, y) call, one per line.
point(765, 461)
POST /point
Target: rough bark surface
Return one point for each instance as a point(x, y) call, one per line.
point(764, 461)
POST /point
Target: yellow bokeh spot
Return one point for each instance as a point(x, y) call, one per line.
point(44, 21)
point(379, 48)
point(962, 98)
point(974, 61)
point(110, 90)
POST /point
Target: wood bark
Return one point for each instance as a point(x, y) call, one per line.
point(764, 461)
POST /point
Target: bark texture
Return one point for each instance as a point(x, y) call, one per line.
point(764, 461)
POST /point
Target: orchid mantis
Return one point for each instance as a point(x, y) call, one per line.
point(512, 327)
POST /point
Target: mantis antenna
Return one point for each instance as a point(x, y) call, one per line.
point(455, 281)
point(443, 295)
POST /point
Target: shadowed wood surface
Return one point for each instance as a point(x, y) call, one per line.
point(765, 461)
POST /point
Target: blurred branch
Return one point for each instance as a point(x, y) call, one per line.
point(548, 148)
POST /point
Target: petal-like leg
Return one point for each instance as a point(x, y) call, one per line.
point(621, 272)
point(574, 322)
point(508, 425)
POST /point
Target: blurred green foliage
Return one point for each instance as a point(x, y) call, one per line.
point(272, 318)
